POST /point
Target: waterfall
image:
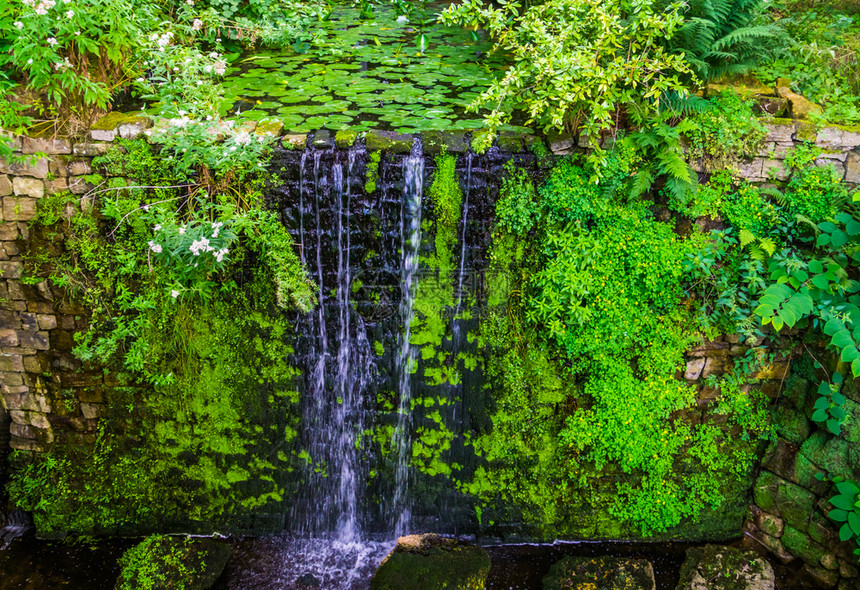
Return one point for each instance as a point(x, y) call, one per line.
point(410, 241)
point(339, 370)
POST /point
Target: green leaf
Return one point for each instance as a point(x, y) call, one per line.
point(819, 415)
point(843, 502)
point(834, 426)
point(833, 326)
point(854, 521)
point(845, 532)
point(855, 368)
point(823, 239)
point(842, 339)
point(838, 239)
point(777, 323)
point(850, 354)
point(815, 266)
point(852, 227)
point(746, 237)
point(839, 515)
point(821, 282)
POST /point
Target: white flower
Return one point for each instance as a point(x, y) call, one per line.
point(207, 68)
point(41, 10)
point(157, 227)
point(70, 13)
point(198, 246)
point(219, 255)
point(243, 138)
point(197, 24)
point(29, 2)
point(153, 37)
point(402, 19)
point(189, 2)
point(145, 207)
point(174, 293)
point(30, 62)
point(19, 24)
point(52, 41)
point(155, 247)
point(182, 230)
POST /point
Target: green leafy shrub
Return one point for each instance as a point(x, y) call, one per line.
point(517, 209)
point(847, 511)
point(592, 62)
point(570, 195)
point(829, 408)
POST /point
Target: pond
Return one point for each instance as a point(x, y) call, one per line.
point(377, 73)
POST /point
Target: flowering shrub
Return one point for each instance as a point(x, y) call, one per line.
point(181, 78)
point(191, 252)
point(221, 154)
point(72, 52)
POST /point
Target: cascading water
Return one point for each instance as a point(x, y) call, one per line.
point(410, 234)
point(334, 411)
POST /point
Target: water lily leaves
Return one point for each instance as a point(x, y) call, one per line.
point(366, 74)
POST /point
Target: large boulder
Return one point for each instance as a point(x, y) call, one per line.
point(172, 563)
point(606, 573)
point(431, 562)
point(714, 567)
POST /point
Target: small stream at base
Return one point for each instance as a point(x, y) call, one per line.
point(284, 563)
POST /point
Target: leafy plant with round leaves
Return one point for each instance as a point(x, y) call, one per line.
point(847, 511)
point(829, 408)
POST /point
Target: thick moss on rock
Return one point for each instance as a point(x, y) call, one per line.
point(714, 567)
point(390, 141)
point(606, 573)
point(172, 563)
point(799, 544)
point(115, 119)
point(431, 562)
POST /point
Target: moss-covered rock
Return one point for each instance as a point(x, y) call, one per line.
point(606, 573)
point(795, 504)
point(345, 138)
point(430, 562)
point(799, 544)
point(115, 119)
point(397, 143)
point(172, 563)
point(791, 424)
point(714, 567)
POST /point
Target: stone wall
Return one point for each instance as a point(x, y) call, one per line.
point(48, 393)
point(789, 514)
point(44, 387)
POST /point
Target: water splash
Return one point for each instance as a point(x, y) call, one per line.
point(410, 239)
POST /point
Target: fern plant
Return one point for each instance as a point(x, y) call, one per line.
point(722, 38)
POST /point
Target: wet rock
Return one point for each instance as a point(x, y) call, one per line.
point(165, 563)
point(609, 573)
point(435, 142)
point(714, 567)
point(308, 581)
point(396, 143)
point(430, 562)
point(323, 139)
